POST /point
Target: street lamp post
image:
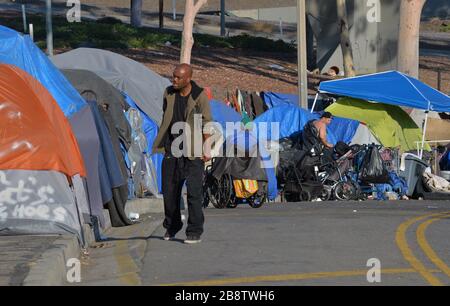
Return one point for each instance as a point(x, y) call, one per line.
point(222, 18)
point(49, 28)
point(301, 55)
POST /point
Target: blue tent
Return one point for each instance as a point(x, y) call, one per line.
point(292, 119)
point(20, 51)
point(390, 87)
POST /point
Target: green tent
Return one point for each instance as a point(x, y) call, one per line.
point(392, 126)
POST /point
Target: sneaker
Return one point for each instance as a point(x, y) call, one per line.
point(168, 236)
point(192, 239)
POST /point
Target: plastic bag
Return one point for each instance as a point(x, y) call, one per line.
point(245, 188)
point(373, 169)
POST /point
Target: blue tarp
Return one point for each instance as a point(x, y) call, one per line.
point(150, 129)
point(20, 51)
point(292, 119)
point(343, 129)
point(390, 87)
point(222, 113)
point(245, 141)
point(273, 99)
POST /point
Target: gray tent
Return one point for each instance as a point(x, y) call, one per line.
point(38, 202)
point(144, 86)
point(88, 83)
point(94, 88)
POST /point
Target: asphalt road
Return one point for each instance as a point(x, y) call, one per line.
point(308, 244)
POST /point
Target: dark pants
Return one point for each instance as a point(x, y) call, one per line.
point(176, 171)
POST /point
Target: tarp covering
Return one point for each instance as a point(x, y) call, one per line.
point(37, 202)
point(150, 129)
point(247, 142)
point(344, 129)
point(390, 124)
point(35, 135)
point(109, 168)
point(390, 87)
point(273, 99)
point(20, 51)
point(113, 179)
point(222, 113)
point(144, 86)
point(83, 125)
point(292, 119)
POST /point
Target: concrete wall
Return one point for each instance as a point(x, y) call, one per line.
point(286, 14)
point(374, 44)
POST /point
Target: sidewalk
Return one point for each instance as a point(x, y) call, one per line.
point(18, 254)
point(40, 260)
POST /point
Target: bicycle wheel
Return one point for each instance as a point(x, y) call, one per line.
point(213, 193)
point(344, 191)
point(220, 191)
point(232, 202)
point(256, 201)
point(325, 194)
point(305, 196)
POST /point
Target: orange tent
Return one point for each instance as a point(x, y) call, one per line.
point(34, 133)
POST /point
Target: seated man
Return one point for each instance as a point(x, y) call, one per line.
point(315, 144)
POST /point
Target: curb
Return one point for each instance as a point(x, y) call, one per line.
point(50, 269)
point(145, 206)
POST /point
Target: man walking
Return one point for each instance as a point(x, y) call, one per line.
point(184, 103)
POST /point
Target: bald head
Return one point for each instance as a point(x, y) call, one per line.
point(185, 69)
point(182, 76)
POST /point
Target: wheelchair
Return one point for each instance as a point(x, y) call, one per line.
point(219, 190)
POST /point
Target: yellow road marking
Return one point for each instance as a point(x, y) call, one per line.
point(289, 277)
point(402, 244)
point(126, 265)
point(423, 243)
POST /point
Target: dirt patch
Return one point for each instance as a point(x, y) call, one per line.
point(227, 69)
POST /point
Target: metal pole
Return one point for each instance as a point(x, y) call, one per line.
point(314, 104)
point(161, 14)
point(49, 28)
point(439, 79)
point(301, 54)
point(24, 18)
point(222, 18)
point(174, 9)
point(31, 31)
point(281, 28)
point(424, 133)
